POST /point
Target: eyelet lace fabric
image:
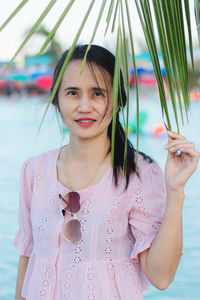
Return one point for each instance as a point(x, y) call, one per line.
point(116, 226)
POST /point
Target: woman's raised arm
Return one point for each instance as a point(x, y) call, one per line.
point(161, 260)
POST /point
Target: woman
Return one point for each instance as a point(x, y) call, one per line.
point(86, 231)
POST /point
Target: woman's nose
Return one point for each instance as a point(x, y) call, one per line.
point(84, 104)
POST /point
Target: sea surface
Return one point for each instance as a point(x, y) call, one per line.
point(19, 122)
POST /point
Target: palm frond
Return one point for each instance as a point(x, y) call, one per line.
point(169, 23)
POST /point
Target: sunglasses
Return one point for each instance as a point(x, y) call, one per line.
point(71, 231)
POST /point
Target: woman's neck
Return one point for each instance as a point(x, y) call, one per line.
point(87, 151)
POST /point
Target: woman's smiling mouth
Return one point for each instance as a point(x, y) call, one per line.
point(85, 122)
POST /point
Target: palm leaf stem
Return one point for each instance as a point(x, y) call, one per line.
point(127, 85)
point(93, 35)
point(115, 88)
point(115, 15)
point(109, 16)
point(135, 76)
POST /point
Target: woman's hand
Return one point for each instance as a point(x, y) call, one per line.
point(178, 169)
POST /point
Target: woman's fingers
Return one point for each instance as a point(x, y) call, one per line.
point(176, 144)
point(177, 141)
point(185, 149)
point(175, 135)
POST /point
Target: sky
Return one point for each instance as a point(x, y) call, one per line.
point(12, 36)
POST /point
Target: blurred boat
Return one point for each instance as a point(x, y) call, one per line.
point(195, 96)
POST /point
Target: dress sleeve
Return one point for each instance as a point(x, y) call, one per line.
point(24, 239)
point(147, 208)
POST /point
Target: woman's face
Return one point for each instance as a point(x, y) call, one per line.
point(86, 104)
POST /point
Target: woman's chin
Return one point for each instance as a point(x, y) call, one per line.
point(86, 135)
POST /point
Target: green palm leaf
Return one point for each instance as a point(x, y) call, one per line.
point(165, 53)
point(115, 15)
point(55, 28)
point(109, 15)
point(115, 87)
point(18, 8)
point(147, 25)
point(197, 16)
point(126, 82)
point(135, 75)
point(187, 13)
point(93, 35)
point(173, 48)
point(32, 31)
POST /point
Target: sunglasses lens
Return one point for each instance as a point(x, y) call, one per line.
point(72, 231)
point(74, 199)
point(72, 202)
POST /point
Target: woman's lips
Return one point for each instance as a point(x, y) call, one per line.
point(85, 122)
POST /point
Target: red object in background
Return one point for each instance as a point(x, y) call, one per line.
point(44, 83)
point(2, 84)
point(195, 95)
point(159, 130)
point(148, 81)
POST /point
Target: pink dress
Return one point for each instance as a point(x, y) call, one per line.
point(116, 226)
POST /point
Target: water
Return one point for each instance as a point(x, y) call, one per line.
point(19, 121)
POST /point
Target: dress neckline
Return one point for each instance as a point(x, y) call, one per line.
point(83, 190)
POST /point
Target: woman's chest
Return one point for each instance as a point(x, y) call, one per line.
point(103, 217)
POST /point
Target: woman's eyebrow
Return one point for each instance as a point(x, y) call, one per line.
point(71, 88)
point(99, 89)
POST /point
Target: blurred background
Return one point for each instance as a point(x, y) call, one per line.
point(24, 94)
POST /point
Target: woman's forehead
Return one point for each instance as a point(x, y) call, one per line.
point(92, 73)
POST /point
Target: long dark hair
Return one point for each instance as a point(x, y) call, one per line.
point(105, 60)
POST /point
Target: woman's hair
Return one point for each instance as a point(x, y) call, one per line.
point(105, 60)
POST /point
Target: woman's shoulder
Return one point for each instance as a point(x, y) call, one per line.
point(46, 157)
point(147, 164)
point(150, 175)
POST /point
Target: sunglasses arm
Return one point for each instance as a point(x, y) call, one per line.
point(61, 197)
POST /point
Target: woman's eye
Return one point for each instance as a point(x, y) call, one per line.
point(71, 93)
point(97, 93)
